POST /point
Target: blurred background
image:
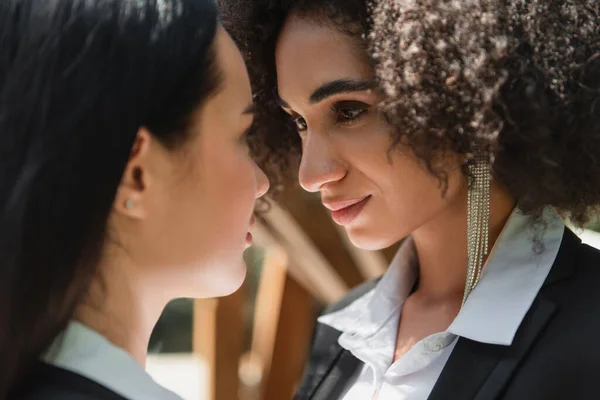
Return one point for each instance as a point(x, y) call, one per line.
point(253, 345)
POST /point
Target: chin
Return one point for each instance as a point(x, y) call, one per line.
point(225, 279)
point(233, 278)
point(368, 239)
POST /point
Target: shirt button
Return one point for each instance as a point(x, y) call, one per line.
point(435, 345)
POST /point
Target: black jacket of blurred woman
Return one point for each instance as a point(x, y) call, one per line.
point(470, 131)
point(126, 181)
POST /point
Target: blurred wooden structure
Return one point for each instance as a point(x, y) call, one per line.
point(308, 263)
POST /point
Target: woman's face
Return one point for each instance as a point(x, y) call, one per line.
point(198, 200)
point(325, 82)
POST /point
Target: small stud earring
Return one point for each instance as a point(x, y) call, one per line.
point(128, 204)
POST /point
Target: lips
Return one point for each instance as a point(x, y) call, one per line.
point(344, 212)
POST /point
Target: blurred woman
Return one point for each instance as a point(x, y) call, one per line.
point(125, 181)
point(472, 129)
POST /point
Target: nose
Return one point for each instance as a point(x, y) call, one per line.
point(319, 165)
point(262, 182)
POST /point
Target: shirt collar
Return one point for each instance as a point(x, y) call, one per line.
point(512, 277)
point(81, 350)
point(514, 274)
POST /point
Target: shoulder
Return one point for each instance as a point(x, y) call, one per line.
point(47, 382)
point(576, 294)
point(56, 393)
point(588, 262)
point(583, 281)
point(564, 351)
point(583, 290)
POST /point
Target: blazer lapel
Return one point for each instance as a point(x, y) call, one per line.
point(535, 321)
point(530, 331)
point(480, 371)
point(333, 382)
point(330, 366)
point(470, 359)
point(316, 371)
point(327, 374)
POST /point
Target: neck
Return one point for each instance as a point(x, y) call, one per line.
point(120, 307)
point(441, 245)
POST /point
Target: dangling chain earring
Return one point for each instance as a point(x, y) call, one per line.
point(478, 218)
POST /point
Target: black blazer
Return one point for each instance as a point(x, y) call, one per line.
point(47, 382)
point(555, 354)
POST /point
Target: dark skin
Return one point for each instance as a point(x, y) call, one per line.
point(323, 85)
point(540, 124)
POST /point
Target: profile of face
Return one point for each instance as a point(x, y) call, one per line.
point(184, 215)
point(325, 82)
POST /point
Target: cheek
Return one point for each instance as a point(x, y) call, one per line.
point(365, 152)
point(412, 196)
point(404, 198)
point(202, 236)
point(230, 186)
point(394, 171)
point(366, 144)
point(412, 191)
point(210, 206)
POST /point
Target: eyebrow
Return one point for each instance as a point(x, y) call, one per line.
point(339, 86)
point(332, 88)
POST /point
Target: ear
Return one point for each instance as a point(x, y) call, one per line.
point(131, 199)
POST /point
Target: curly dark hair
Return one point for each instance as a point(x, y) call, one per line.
point(255, 26)
point(516, 80)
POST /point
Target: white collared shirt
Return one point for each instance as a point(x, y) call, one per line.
point(513, 275)
point(83, 351)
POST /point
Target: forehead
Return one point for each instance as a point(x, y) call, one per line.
point(310, 53)
point(236, 85)
point(224, 112)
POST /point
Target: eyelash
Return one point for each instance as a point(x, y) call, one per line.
point(340, 111)
point(355, 109)
point(297, 120)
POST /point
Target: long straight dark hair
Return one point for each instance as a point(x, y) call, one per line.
point(78, 78)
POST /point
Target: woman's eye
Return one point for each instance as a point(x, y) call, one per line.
point(300, 124)
point(348, 112)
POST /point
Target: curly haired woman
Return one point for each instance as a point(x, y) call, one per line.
point(472, 129)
